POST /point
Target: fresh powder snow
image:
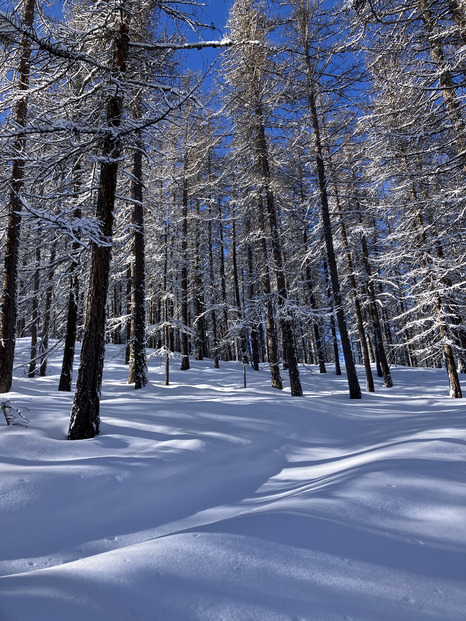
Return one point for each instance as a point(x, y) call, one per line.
point(207, 501)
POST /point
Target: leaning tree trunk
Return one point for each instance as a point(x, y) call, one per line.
point(85, 417)
point(13, 231)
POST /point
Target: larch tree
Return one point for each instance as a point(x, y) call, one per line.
point(306, 38)
point(249, 75)
point(19, 118)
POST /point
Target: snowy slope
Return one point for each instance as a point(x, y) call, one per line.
point(207, 501)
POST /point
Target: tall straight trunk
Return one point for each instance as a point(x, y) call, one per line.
point(251, 289)
point(212, 296)
point(353, 382)
point(333, 328)
point(13, 232)
point(184, 276)
point(71, 317)
point(198, 294)
point(223, 286)
point(85, 413)
point(356, 301)
point(380, 349)
point(270, 329)
point(236, 288)
point(44, 341)
point(455, 388)
point(168, 330)
point(35, 316)
point(71, 332)
point(138, 365)
point(286, 328)
point(302, 22)
point(308, 281)
point(129, 312)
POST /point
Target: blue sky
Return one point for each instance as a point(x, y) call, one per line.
point(216, 11)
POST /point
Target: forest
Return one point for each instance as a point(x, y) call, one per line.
point(298, 198)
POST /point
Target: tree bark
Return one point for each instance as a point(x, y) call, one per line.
point(289, 349)
point(138, 366)
point(13, 233)
point(184, 277)
point(44, 341)
point(85, 413)
point(353, 382)
point(356, 301)
point(35, 317)
point(66, 375)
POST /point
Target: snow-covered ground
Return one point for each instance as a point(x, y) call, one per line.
point(207, 501)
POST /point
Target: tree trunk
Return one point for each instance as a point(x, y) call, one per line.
point(289, 349)
point(379, 346)
point(353, 382)
point(85, 416)
point(138, 365)
point(44, 341)
point(356, 301)
point(13, 231)
point(184, 278)
point(455, 388)
point(198, 294)
point(35, 317)
point(66, 375)
point(70, 339)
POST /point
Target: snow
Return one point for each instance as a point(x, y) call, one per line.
point(207, 501)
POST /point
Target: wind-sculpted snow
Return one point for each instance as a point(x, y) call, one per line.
point(206, 501)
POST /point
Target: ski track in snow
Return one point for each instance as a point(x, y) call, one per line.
point(204, 500)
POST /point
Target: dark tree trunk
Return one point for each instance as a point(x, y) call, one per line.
point(13, 231)
point(380, 349)
point(85, 416)
point(129, 313)
point(455, 388)
point(138, 366)
point(289, 349)
point(353, 382)
point(356, 301)
point(198, 294)
point(223, 286)
point(66, 375)
point(240, 314)
point(70, 339)
point(270, 329)
point(184, 279)
point(35, 317)
point(44, 341)
point(251, 287)
point(317, 337)
point(215, 353)
point(336, 351)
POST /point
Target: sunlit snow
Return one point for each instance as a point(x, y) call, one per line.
point(207, 501)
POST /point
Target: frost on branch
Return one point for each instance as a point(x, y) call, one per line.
point(13, 416)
